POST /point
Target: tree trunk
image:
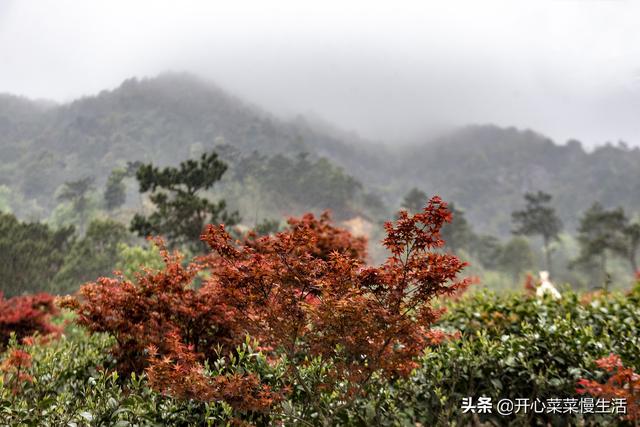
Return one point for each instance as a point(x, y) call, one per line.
point(603, 267)
point(547, 254)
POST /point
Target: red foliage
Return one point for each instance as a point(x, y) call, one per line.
point(623, 383)
point(530, 285)
point(26, 315)
point(14, 367)
point(181, 374)
point(329, 239)
point(588, 297)
point(302, 293)
point(366, 319)
point(160, 303)
point(165, 326)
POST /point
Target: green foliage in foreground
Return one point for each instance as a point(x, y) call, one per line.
point(518, 347)
point(75, 385)
point(510, 346)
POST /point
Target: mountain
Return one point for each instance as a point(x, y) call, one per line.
point(161, 120)
point(298, 164)
point(486, 170)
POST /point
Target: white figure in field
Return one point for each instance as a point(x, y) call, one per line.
point(546, 287)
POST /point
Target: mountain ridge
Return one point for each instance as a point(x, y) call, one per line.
point(485, 169)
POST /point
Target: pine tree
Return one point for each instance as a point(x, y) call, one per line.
point(77, 192)
point(415, 200)
point(458, 233)
point(115, 193)
point(181, 213)
point(600, 232)
point(538, 218)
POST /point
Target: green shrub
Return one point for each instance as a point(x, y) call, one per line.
point(74, 384)
point(510, 346)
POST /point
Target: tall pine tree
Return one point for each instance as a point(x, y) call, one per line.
point(538, 218)
point(181, 211)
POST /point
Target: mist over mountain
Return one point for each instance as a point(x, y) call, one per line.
point(487, 169)
point(568, 69)
point(483, 169)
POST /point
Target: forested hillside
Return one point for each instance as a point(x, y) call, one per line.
point(486, 169)
point(158, 120)
point(483, 169)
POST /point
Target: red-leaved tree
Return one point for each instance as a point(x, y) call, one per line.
point(623, 383)
point(158, 306)
point(305, 294)
point(366, 319)
point(14, 369)
point(25, 316)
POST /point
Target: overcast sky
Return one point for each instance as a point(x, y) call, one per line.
point(388, 70)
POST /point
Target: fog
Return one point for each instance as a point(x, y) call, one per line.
point(389, 71)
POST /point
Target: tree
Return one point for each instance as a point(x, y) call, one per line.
point(267, 226)
point(457, 234)
point(538, 218)
point(414, 200)
point(93, 256)
point(130, 171)
point(5, 197)
point(132, 259)
point(25, 315)
point(115, 193)
point(30, 254)
point(622, 382)
point(77, 193)
point(305, 294)
point(629, 245)
point(487, 249)
point(600, 232)
point(374, 204)
point(516, 257)
point(132, 168)
point(305, 181)
point(181, 213)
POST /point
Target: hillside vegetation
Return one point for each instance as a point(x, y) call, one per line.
point(169, 118)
